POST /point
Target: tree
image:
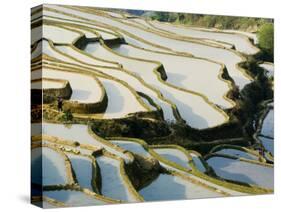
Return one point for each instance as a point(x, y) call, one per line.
point(266, 39)
point(161, 16)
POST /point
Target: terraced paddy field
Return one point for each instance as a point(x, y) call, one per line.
point(88, 92)
point(242, 171)
point(130, 109)
point(167, 187)
point(52, 165)
point(237, 153)
point(240, 42)
point(267, 130)
point(174, 155)
point(179, 75)
point(112, 182)
point(73, 198)
point(84, 170)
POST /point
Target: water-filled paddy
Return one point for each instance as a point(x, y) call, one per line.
point(141, 86)
point(229, 58)
point(67, 54)
point(243, 171)
point(237, 153)
point(44, 47)
point(197, 112)
point(121, 100)
point(251, 35)
point(52, 165)
point(73, 198)
point(113, 184)
point(197, 162)
point(85, 88)
point(64, 53)
point(83, 168)
point(186, 72)
point(90, 34)
point(77, 132)
point(78, 54)
point(132, 147)
point(59, 35)
point(103, 31)
point(173, 155)
point(87, 33)
point(54, 33)
point(168, 187)
point(268, 123)
point(240, 42)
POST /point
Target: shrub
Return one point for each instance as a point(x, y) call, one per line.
point(266, 40)
point(67, 116)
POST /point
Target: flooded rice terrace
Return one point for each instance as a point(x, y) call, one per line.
point(128, 108)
